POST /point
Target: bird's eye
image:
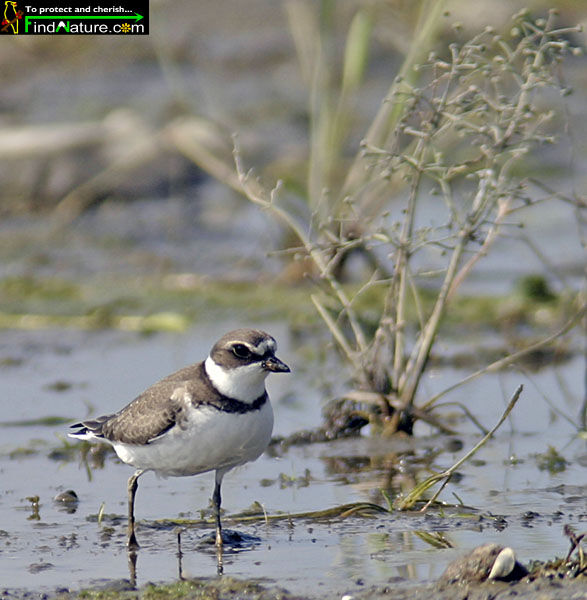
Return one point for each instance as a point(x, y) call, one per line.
point(241, 351)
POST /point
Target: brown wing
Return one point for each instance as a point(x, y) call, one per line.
point(148, 416)
point(156, 410)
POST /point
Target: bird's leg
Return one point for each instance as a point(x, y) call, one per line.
point(133, 484)
point(178, 531)
point(216, 501)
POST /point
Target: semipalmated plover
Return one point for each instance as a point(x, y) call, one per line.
point(211, 416)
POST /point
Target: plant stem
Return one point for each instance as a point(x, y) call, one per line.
point(409, 501)
point(511, 358)
point(256, 194)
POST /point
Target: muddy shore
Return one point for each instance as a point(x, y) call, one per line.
point(227, 588)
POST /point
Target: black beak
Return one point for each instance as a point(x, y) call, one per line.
point(275, 365)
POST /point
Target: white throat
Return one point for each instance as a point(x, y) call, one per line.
point(245, 383)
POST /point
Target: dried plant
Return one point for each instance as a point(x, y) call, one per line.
point(456, 143)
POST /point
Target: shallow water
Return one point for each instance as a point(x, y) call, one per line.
point(101, 371)
point(240, 70)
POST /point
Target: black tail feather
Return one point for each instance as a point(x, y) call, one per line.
point(93, 426)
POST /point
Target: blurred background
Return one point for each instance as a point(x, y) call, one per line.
point(99, 175)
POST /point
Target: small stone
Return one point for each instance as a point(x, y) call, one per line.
point(67, 497)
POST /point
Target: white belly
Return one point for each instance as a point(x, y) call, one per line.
point(209, 440)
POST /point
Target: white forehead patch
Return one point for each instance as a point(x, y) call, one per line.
point(265, 346)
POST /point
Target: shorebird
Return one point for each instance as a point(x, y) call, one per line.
point(211, 416)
